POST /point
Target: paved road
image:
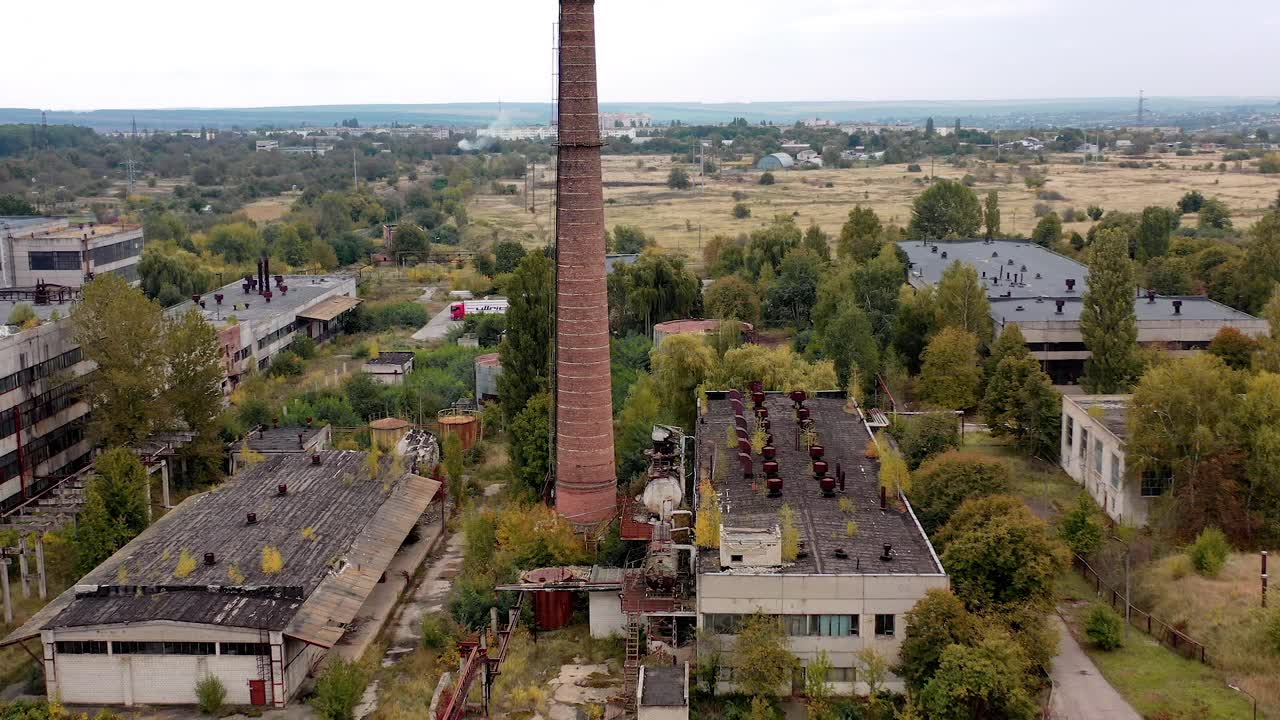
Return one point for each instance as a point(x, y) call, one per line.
point(437, 328)
point(1079, 690)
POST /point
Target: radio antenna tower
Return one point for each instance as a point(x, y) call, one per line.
point(1142, 107)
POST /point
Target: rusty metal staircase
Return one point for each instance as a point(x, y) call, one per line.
point(631, 665)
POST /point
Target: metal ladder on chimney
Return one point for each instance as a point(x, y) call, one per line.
point(631, 665)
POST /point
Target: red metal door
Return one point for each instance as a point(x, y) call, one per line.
point(258, 692)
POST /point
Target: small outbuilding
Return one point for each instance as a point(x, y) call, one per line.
point(776, 161)
point(389, 368)
point(269, 442)
point(488, 370)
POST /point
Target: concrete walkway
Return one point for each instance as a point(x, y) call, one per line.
point(1079, 690)
point(437, 328)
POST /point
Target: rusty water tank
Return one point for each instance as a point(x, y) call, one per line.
point(488, 369)
point(386, 433)
point(552, 610)
point(463, 423)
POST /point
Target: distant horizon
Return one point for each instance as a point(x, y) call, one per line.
point(1251, 99)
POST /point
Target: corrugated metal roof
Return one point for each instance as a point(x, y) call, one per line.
point(329, 309)
point(336, 529)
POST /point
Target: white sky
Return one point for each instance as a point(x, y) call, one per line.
point(85, 54)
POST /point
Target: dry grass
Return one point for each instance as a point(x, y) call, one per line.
point(640, 197)
point(269, 209)
point(1222, 612)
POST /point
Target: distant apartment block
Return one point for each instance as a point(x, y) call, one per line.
point(55, 251)
point(266, 145)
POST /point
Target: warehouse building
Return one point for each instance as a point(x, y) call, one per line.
point(54, 250)
point(1041, 291)
point(252, 583)
point(864, 560)
point(255, 325)
point(1095, 429)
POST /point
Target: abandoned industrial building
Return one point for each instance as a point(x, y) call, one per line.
point(863, 559)
point(53, 250)
point(253, 583)
point(256, 320)
point(1095, 429)
point(1041, 292)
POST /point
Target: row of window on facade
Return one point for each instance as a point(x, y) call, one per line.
point(834, 675)
point(74, 259)
point(1154, 482)
point(803, 625)
point(131, 647)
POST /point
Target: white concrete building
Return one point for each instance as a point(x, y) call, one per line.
point(1094, 430)
point(198, 593)
point(266, 145)
point(55, 251)
point(389, 368)
point(851, 585)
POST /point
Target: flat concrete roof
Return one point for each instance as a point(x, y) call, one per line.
point(1024, 310)
point(303, 290)
point(663, 686)
point(1110, 410)
point(1019, 273)
point(14, 224)
point(820, 520)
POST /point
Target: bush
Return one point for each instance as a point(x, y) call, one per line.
point(1104, 627)
point(1094, 212)
point(1042, 209)
point(913, 168)
point(739, 196)
point(767, 179)
point(1050, 195)
point(741, 211)
point(923, 436)
point(1071, 215)
point(339, 688)
point(286, 364)
point(1209, 552)
point(210, 694)
point(303, 346)
point(1273, 630)
point(437, 631)
point(1080, 528)
point(943, 483)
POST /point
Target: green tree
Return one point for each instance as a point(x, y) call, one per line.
point(656, 288)
point(790, 300)
point(339, 689)
point(409, 239)
point(1048, 231)
point(938, 621)
point(1154, 230)
point(13, 205)
point(525, 351)
point(454, 470)
point(629, 240)
point(235, 242)
point(115, 509)
point(1191, 202)
point(818, 242)
point(1234, 347)
point(929, 130)
point(678, 179)
point(1181, 417)
point(860, 236)
point(1011, 343)
point(1261, 268)
point(1080, 528)
point(22, 314)
point(991, 215)
point(1018, 395)
point(943, 483)
point(816, 688)
point(507, 256)
point(731, 297)
point(874, 286)
point(680, 365)
point(762, 660)
point(960, 301)
point(767, 178)
point(633, 427)
point(947, 210)
point(949, 373)
point(1107, 319)
point(1215, 215)
point(195, 373)
point(980, 682)
point(530, 436)
point(851, 344)
point(923, 436)
point(769, 245)
point(999, 555)
point(112, 324)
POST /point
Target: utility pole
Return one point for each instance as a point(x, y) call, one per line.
point(1127, 605)
point(355, 177)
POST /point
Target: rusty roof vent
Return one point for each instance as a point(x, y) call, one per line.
point(887, 555)
point(1151, 297)
point(282, 490)
point(210, 559)
point(1059, 303)
point(251, 518)
point(1071, 284)
point(315, 459)
point(1177, 307)
point(841, 553)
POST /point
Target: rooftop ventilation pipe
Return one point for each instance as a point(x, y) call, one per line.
point(887, 554)
point(210, 559)
point(251, 518)
point(1177, 307)
point(1071, 284)
point(1151, 297)
point(1060, 304)
point(282, 490)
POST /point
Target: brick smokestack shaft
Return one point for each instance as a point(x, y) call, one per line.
point(586, 484)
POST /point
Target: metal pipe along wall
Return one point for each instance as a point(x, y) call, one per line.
point(586, 484)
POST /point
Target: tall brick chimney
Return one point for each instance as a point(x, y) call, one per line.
point(586, 483)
